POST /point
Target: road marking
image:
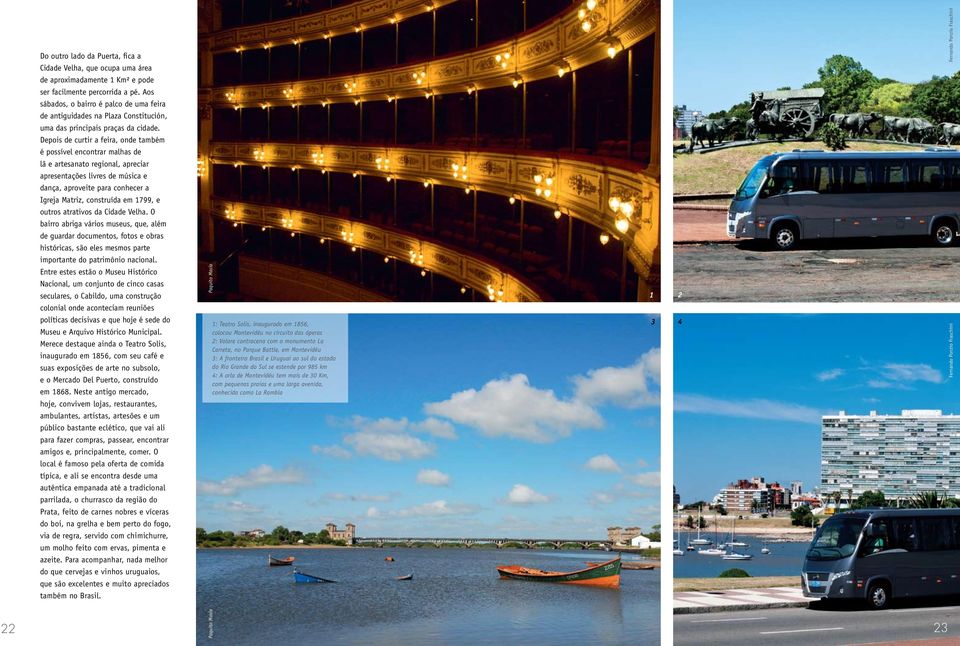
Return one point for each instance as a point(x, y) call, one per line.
point(932, 608)
point(716, 621)
point(802, 630)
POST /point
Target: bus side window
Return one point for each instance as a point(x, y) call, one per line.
point(818, 176)
point(878, 542)
point(856, 177)
point(955, 533)
point(953, 176)
point(904, 534)
point(783, 179)
point(892, 177)
point(927, 176)
point(935, 533)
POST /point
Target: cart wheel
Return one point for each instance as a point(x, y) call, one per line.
point(799, 121)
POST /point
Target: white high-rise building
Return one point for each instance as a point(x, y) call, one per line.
point(900, 455)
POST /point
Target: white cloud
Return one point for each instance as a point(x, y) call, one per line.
point(389, 446)
point(433, 477)
point(435, 427)
point(910, 372)
point(602, 462)
point(521, 494)
point(261, 476)
point(513, 408)
point(358, 497)
point(749, 408)
point(647, 479)
point(633, 386)
point(337, 452)
point(238, 507)
point(830, 375)
point(425, 510)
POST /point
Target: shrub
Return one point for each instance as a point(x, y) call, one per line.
point(833, 136)
point(733, 573)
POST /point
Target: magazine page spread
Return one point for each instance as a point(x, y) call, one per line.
point(419, 322)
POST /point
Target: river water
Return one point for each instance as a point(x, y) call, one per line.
point(455, 597)
point(784, 559)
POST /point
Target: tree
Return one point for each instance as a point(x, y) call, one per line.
point(802, 516)
point(938, 99)
point(201, 535)
point(926, 500)
point(280, 533)
point(720, 509)
point(688, 522)
point(889, 99)
point(869, 499)
point(845, 82)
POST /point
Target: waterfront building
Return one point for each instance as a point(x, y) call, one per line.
point(900, 455)
point(452, 150)
point(621, 535)
point(254, 533)
point(739, 497)
point(347, 534)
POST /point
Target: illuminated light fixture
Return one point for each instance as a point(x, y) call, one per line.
point(236, 107)
point(604, 238)
point(622, 225)
point(544, 184)
point(426, 183)
point(200, 168)
point(326, 35)
point(293, 234)
point(236, 165)
point(356, 102)
point(557, 214)
point(355, 173)
point(471, 88)
point(324, 102)
point(356, 29)
point(322, 240)
point(420, 77)
point(266, 45)
point(264, 105)
point(354, 249)
point(627, 208)
point(390, 98)
point(386, 259)
point(238, 49)
point(591, 5)
point(262, 229)
point(613, 46)
point(428, 94)
point(586, 25)
point(423, 273)
point(467, 190)
point(463, 290)
point(512, 200)
point(296, 41)
point(264, 167)
point(393, 20)
point(517, 80)
point(429, 7)
point(562, 68)
point(389, 178)
point(235, 224)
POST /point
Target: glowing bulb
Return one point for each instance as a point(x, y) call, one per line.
point(547, 192)
point(627, 209)
point(234, 225)
point(423, 272)
point(467, 190)
point(604, 238)
point(386, 259)
point(262, 229)
point(455, 166)
point(557, 214)
point(585, 25)
point(513, 200)
point(549, 181)
point(611, 51)
point(582, 14)
point(426, 184)
point(622, 225)
point(355, 173)
point(292, 234)
point(463, 290)
point(498, 58)
point(591, 5)
point(537, 179)
point(353, 248)
point(614, 203)
point(561, 72)
point(538, 191)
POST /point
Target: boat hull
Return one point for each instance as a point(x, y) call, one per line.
point(275, 562)
point(300, 577)
point(602, 575)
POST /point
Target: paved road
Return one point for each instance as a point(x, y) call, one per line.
point(882, 269)
point(821, 625)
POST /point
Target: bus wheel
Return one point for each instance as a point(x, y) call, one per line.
point(878, 596)
point(784, 236)
point(944, 233)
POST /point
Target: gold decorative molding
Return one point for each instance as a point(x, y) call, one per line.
point(535, 55)
point(579, 187)
point(428, 254)
point(329, 22)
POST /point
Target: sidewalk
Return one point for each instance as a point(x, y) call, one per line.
point(697, 224)
point(744, 599)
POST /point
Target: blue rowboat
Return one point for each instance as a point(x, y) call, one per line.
point(301, 577)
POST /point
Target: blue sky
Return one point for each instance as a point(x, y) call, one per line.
point(456, 426)
point(749, 390)
point(725, 50)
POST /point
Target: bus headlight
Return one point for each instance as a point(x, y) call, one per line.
point(838, 575)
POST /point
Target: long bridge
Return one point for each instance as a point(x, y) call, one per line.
point(529, 543)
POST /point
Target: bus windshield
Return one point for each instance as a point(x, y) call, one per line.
point(836, 539)
point(753, 181)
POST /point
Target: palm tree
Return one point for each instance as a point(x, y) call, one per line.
point(926, 500)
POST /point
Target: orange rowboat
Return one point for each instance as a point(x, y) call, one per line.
point(601, 575)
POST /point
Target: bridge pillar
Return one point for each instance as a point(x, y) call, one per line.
point(379, 542)
point(438, 543)
point(557, 545)
point(408, 543)
point(499, 544)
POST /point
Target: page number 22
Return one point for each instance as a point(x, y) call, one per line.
point(7, 629)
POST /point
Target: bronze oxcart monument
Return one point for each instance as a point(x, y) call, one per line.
point(784, 114)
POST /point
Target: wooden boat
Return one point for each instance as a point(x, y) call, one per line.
point(272, 561)
point(302, 577)
point(408, 577)
point(631, 565)
point(389, 559)
point(604, 575)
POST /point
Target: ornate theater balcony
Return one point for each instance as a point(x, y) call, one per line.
point(553, 120)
